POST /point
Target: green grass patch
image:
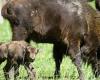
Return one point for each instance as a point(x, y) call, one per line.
point(92, 4)
point(5, 31)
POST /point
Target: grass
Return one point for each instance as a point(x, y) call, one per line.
point(92, 4)
point(5, 31)
point(44, 63)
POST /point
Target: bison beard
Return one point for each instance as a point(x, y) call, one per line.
point(69, 25)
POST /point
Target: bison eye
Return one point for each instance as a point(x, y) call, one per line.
point(9, 11)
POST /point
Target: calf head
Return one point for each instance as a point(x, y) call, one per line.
point(31, 53)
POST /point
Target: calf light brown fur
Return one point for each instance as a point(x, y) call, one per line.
point(17, 53)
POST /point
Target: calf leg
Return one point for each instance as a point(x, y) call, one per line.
point(10, 71)
point(16, 70)
point(6, 70)
point(30, 70)
point(58, 52)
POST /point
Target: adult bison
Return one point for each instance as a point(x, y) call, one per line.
point(68, 24)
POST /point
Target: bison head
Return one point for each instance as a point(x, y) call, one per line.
point(25, 17)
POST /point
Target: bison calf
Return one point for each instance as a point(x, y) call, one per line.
point(16, 53)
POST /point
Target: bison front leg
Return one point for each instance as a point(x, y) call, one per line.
point(75, 53)
point(58, 52)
